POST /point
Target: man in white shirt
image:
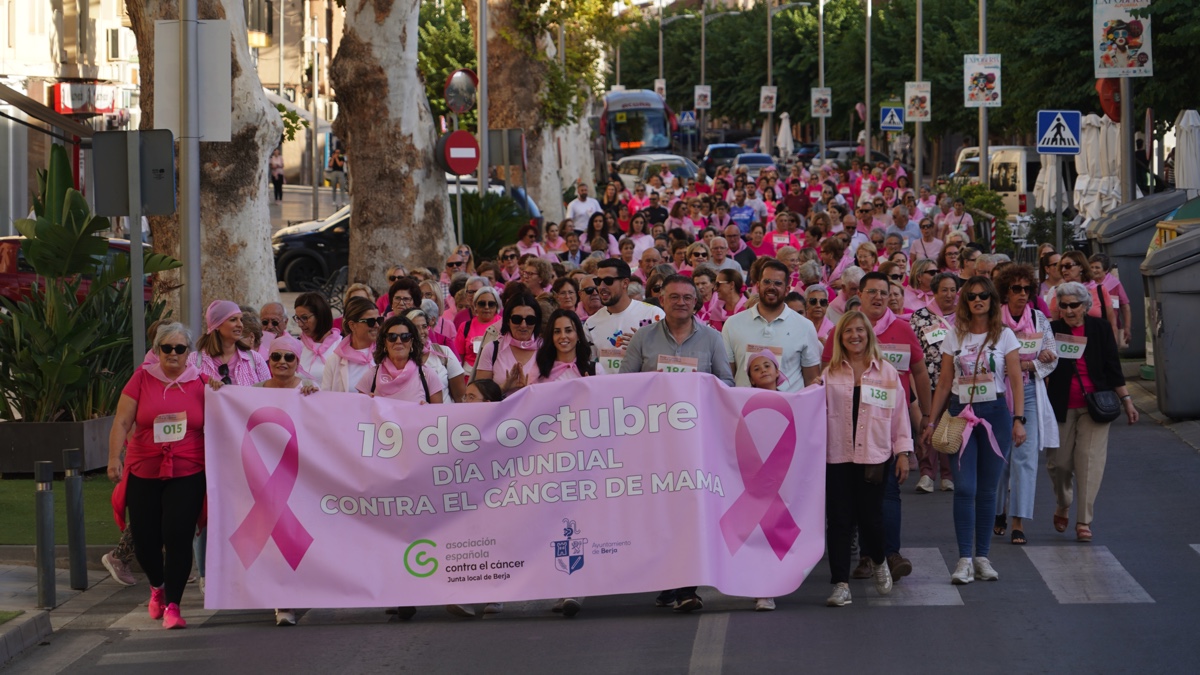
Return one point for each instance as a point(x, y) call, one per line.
point(612, 327)
point(581, 208)
point(719, 249)
point(754, 200)
point(772, 325)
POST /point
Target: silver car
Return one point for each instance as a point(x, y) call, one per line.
point(639, 168)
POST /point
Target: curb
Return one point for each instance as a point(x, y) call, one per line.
point(23, 632)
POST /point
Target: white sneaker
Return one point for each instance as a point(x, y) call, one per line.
point(460, 610)
point(285, 617)
point(925, 484)
point(947, 485)
point(764, 605)
point(883, 578)
point(963, 572)
point(840, 596)
point(493, 608)
point(984, 570)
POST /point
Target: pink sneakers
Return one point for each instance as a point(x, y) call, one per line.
point(158, 602)
point(173, 619)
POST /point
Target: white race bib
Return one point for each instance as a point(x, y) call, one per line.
point(1070, 346)
point(677, 364)
point(476, 344)
point(935, 335)
point(878, 395)
point(1030, 344)
point(982, 387)
point(897, 355)
point(780, 239)
point(1115, 302)
point(611, 358)
point(170, 428)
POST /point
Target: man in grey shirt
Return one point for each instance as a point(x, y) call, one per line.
point(678, 343)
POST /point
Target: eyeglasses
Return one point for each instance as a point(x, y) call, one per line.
point(223, 371)
point(369, 323)
point(1067, 266)
point(1019, 288)
point(518, 319)
point(270, 323)
point(818, 302)
point(403, 337)
point(591, 290)
point(454, 264)
point(1070, 305)
point(286, 356)
point(303, 318)
point(172, 349)
point(972, 297)
point(927, 227)
point(486, 304)
point(393, 278)
point(770, 283)
point(875, 293)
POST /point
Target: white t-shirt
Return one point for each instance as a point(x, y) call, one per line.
point(579, 211)
point(603, 327)
point(446, 365)
point(993, 358)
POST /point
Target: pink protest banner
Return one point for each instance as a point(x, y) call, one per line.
point(613, 484)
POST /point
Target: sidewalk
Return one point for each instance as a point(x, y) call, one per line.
point(1145, 398)
point(18, 592)
point(296, 206)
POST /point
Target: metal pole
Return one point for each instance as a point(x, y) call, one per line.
point(660, 39)
point(76, 536)
point(703, 59)
point(1058, 206)
point(189, 164)
point(481, 52)
point(458, 191)
point(821, 63)
point(281, 43)
point(618, 60)
point(1128, 189)
point(43, 476)
point(867, 117)
point(562, 41)
point(984, 164)
point(316, 126)
point(768, 130)
point(133, 146)
point(919, 140)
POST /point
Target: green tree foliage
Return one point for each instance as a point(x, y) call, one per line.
point(489, 222)
point(445, 45)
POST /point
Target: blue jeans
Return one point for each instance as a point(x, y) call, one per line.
point(1019, 478)
point(977, 471)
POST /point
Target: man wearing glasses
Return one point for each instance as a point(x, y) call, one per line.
point(612, 326)
point(772, 325)
point(582, 207)
point(274, 319)
point(734, 254)
point(454, 265)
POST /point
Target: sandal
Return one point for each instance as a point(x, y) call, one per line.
point(1061, 522)
point(1083, 532)
point(1018, 537)
point(1001, 525)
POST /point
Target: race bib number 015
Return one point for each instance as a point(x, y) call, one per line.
point(170, 428)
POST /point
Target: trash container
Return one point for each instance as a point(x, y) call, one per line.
point(1172, 278)
point(1123, 235)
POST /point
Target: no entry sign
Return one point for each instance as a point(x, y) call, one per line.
point(458, 153)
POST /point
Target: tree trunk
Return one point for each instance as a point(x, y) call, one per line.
point(401, 205)
point(515, 85)
point(237, 261)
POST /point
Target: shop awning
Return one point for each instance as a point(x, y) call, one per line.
point(44, 114)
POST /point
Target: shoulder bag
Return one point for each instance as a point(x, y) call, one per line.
point(948, 435)
point(1102, 406)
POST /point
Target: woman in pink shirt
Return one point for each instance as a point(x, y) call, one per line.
point(552, 242)
point(315, 319)
point(759, 243)
point(509, 270)
point(161, 413)
point(729, 297)
point(527, 243)
point(396, 374)
point(868, 425)
point(470, 338)
point(511, 357)
point(220, 355)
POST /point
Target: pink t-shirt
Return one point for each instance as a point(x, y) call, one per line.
point(467, 345)
point(144, 457)
point(1075, 397)
point(410, 390)
point(505, 360)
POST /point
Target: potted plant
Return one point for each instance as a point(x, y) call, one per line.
point(67, 343)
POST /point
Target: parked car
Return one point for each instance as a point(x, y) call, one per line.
point(719, 154)
point(17, 276)
point(1013, 173)
point(639, 168)
point(750, 143)
point(807, 152)
point(753, 161)
point(842, 155)
point(318, 248)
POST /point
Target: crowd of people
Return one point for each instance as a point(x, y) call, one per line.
point(850, 279)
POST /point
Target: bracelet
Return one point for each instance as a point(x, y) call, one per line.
point(1126, 397)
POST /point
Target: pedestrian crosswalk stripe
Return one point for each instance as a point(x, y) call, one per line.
point(1085, 575)
point(1196, 548)
point(928, 585)
point(1058, 135)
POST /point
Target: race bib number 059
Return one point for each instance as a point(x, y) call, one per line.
point(1070, 346)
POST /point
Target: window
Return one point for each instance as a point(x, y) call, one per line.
point(37, 16)
point(1004, 172)
point(1031, 173)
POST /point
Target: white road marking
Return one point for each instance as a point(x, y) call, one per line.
point(1085, 574)
point(928, 585)
point(1196, 548)
point(708, 649)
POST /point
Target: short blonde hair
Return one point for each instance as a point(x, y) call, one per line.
point(355, 288)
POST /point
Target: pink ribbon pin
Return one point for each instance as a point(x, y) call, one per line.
point(271, 517)
point(760, 504)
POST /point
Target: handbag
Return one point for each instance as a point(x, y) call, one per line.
point(948, 435)
point(1102, 406)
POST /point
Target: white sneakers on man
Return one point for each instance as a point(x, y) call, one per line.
point(883, 578)
point(964, 573)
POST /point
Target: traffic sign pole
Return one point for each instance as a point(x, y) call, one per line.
point(458, 192)
point(1058, 208)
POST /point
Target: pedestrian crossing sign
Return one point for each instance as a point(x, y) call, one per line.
point(1058, 132)
point(687, 118)
point(891, 119)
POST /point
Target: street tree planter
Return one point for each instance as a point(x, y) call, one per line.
point(23, 443)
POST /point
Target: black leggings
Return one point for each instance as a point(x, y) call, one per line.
point(166, 512)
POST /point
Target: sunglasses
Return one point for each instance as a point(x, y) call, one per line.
point(1067, 266)
point(223, 371)
point(454, 264)
point(821, 302)
point(589, 291)
point(270, 323)
point(517, 320)
point(700, 254)
point(286, 356)
point(393, 278)
point(172, 349)
point(657, 288)
point(927, 227)
point(608, 281)
point(403, 337)
point(1070, 305)
point(1018, 288)
point(932, 273)
point(972, 297)
point(369, 323)
point(486, 304)
point(509, 256)
point(896, 277)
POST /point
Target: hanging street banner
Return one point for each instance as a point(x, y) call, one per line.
point(822, 102)
point(981, 80)
point(565, 489)
point(767, 98)
point(916, 101)
point(702, 97)
point(1122, 41)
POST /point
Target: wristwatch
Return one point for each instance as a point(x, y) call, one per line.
point(1019, 418)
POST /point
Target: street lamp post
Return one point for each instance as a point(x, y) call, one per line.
point(768, 131)
point(919, 140)
point(984, 164)
point(705, 19)
point(821, 62)
point(867, 116)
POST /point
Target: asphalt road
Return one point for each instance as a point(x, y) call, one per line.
point(1126, 603)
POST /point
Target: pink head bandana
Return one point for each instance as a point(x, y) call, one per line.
point(287, 343)
point(218, 313)
point(770, 356)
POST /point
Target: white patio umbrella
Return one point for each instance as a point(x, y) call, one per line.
point(1187, 152)
point(784, 142)
point(1049, 185)
point(1110, 154)
point(1087, 166)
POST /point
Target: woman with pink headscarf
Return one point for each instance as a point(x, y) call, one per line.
point(219, 353)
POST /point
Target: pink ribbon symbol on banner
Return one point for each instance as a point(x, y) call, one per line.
point(760, 504)
point(271, 517)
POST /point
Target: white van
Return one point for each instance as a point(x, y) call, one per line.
point(1014, 171)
